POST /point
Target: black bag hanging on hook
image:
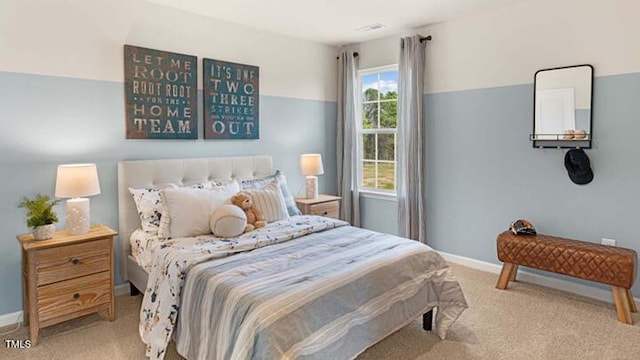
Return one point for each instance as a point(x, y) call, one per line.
point(578, 166)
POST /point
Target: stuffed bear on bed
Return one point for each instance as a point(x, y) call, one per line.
point(254, 216)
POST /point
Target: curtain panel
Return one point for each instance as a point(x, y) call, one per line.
point(410, 140)
point(348, 145)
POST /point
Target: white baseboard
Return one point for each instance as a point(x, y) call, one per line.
point(12, 318)
point(523, 275)
point(122, 289)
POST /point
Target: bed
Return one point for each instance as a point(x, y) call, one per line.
point(305, 287)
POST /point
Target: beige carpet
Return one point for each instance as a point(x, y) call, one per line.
point(525, 322)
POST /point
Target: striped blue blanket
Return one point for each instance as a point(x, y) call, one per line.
point(319, 290)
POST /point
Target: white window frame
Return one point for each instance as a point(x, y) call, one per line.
point(371, 192)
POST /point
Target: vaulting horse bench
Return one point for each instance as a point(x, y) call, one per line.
point(610, 265)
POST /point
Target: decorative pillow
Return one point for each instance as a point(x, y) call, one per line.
point(149, 204)
point(270, 201)
point(165, 221)
point(189, 209)
point(290, 202)
point(228, 221)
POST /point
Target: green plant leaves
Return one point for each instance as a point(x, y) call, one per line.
point(40, 210)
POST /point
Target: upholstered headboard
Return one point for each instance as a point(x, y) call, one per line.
point(146, 173)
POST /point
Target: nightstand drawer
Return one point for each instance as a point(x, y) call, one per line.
point(73, 296)
point(72, 261)
point(329, 209)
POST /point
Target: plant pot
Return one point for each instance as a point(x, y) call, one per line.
point(44, 232)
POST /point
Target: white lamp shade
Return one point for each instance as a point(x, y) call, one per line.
point(311, 164)
point(77, 180)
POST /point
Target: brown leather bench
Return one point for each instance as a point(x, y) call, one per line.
point(610, 265)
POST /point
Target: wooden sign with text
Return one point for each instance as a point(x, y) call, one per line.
point(231, 96)
point(161, 94)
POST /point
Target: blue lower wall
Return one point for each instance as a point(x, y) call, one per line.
point(482, 171)
point(47, 121)
point(379, 214)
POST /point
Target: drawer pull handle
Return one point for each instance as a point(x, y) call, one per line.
point(76, 296)
point(75, 261)
point(325, 213)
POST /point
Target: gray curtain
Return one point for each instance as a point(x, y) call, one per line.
point(348, 146)
point(410, 140)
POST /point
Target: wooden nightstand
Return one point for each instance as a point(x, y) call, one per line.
point(66, 277)
point(324, 205)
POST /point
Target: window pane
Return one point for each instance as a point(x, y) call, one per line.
point(386, 147)
point(369, 174)
point(370, 116)
point(369, 146)
point(386, 176)
point(370, 87)
point(370, 95)
point(379, 112)
point(388, 85)
point(389, 114)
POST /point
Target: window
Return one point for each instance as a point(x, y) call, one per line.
point(378, 134)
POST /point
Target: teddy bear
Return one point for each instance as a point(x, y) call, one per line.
point(254, 217)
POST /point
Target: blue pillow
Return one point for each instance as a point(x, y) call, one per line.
point(292, 209)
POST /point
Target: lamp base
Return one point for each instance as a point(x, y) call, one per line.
point(311, 187)
point(78, 220)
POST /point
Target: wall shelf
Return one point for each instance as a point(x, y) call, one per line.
point(557, 141)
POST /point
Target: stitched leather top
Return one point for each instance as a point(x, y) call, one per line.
point(605, 264)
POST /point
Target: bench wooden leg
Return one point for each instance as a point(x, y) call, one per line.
point(505, 276)
point(514, 273)
point(632, 302)
point(623, 304)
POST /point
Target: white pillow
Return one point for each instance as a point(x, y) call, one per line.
point(151, 207)
point(270, 201)
point(228, 221)
point(189, 210)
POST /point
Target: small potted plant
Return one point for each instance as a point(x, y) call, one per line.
point(40, 216)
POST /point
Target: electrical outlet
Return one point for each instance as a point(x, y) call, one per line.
point(609, 242)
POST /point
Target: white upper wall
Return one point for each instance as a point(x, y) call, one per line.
point(379, 52)
point(507, 45)
point(84, 39)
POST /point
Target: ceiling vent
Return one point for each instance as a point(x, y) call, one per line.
point(371, 27)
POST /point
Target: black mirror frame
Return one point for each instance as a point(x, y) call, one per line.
point(562, 144)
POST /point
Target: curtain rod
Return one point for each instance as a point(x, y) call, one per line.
point(425, 38)
point(355, 54)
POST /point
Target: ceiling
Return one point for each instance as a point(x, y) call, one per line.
point(333, 22)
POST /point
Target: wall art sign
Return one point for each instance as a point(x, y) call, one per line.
point(231, 96)
point(161, 94)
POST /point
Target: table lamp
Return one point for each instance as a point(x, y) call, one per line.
point(74, 181)
point(310, 166)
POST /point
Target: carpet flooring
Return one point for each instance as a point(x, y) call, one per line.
point(524, 322)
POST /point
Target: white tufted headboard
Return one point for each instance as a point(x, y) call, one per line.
point(146, 173)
